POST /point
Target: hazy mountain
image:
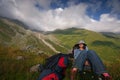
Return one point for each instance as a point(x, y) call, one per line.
point(111, 35)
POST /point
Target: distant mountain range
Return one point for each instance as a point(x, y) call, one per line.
point(111, 35)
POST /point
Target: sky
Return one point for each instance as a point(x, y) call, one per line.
point(49, 15)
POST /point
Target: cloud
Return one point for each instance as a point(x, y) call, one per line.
point(95, 5)
point(115, 5)
point(42, 17)
point(106, 23)
point(73, 16)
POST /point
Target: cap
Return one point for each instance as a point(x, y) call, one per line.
point(81, 41)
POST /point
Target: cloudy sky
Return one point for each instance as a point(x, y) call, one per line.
point(48, 15)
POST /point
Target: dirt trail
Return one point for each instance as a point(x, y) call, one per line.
point(49, 45)
point(41, 37)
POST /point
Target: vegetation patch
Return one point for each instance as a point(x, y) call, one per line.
point(102, 43)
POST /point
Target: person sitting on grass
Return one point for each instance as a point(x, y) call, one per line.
point(81, 54)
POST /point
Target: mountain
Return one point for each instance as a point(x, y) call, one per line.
point(13, 35)
point(108, 48)
point(21, 48)
point(111, 35)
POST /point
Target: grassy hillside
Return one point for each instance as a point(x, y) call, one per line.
point(19, 50)
point(108, 48)
point(34, 47)
point(104, 46)
point(14, 35)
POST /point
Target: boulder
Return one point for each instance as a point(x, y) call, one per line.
point(40, 52)
point(20, 58)
point(35, 68)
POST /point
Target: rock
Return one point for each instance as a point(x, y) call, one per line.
point(35, 68)
point(27, 48)
point(40, 52)
point(20, 58)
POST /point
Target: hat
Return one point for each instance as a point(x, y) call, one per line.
point(81, 42)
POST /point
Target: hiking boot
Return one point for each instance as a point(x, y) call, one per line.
point(107, 76)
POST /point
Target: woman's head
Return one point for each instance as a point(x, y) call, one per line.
point(82, 46)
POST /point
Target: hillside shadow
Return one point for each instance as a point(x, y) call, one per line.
point(103, 43)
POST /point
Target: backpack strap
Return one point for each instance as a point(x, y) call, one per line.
point(52, 61)
point(45, 73)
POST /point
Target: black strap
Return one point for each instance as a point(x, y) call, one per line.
point(45, 73)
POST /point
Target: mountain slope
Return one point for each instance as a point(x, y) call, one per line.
point(20, 48)
point(111, 35)
point(12, 34)
point(108, 48)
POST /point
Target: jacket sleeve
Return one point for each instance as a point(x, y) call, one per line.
point(63, 62)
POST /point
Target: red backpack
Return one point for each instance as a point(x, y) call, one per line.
point(55, 68)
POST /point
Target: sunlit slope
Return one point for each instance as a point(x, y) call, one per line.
point(107, 47)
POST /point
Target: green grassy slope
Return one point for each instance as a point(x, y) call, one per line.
point(16, 41)
point(108, 48)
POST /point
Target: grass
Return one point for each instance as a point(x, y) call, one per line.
point(13, 69)
point(18, 40)
point(57, 47)
point(108, 48)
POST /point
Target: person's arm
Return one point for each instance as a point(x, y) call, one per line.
point(63, 62)
point(74, 70)
point(76, 53)
point(62, 65)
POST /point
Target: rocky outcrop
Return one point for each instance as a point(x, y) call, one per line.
point(35, 68)
point(40, 52)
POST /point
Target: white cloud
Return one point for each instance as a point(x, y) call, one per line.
point(107, 18)
point(106, 23)
point(51, 19)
